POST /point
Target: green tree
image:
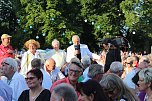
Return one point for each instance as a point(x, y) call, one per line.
point(45, 20)
point(138, 18)
point(7, 16)
point(91, 19)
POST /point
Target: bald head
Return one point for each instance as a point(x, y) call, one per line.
point(76, 40)
point(50, 64)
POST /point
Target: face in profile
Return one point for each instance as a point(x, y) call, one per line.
point(50, 65)
point(105, 46)
point(32, 81)
point(74, 72)
point(143, 85)
point(6, 69)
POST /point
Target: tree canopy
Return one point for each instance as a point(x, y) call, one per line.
point(93, 20)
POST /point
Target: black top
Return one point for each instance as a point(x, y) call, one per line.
point(112, 55)
point(44, 96)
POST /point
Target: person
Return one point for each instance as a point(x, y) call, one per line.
point(95, 72)
point(75, 70)
point(128, 78)
point(145, 83)
point(91, 91)
point(116, 89)
point(35, 92)
point(13, 78)
point(135, 61)
point(104, 45)
point(116, 67)
point(54, 72)
point(37, 63)
point(19, 64)
point(6, 49)
point(112, 53)
point(86, 62)
point(128, 66)
point(28, 56)
point(57, 54)
point(79, 50)
point(5, 91)
point(144, 63)
point(63, 92)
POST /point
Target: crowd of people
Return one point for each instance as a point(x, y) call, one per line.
point(76, 74)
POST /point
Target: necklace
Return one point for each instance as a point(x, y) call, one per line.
point(35, 97)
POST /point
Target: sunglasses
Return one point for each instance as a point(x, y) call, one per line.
point(30, 78)
point(127, 63)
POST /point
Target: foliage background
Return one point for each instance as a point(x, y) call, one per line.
point(93, 20)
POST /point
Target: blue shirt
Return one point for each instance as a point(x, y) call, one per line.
point(5, 91)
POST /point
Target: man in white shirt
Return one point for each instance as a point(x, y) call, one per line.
point(13, 78)
point(57, 54)
point(79, 50)
point(54, 72)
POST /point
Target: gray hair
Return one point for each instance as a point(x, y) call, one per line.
point(95, 69)
point(112, 81)
point(55, 41)
point(146, 74)
point(116, 66)
point(86, 61)
point(75, 36)
point(65, 91)
point(76, 62)
point(12, 62)
point(36, 63)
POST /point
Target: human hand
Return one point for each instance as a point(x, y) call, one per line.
point(10, 51)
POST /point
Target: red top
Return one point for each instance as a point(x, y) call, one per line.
point(65, 80)
point(4, 53)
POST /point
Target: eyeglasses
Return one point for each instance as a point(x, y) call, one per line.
point(30, 78)
point(75, 71)
point(4, 63)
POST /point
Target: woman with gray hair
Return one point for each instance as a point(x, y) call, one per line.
point(116, 89)
point(145, 83)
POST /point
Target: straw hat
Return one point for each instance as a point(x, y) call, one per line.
point(32, 41)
